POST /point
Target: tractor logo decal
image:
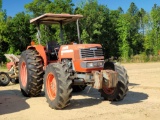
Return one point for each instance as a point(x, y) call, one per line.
point(66, 51)
point(93, 48)
point(64, 48)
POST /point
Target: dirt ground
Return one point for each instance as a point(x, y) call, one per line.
point(142, 101)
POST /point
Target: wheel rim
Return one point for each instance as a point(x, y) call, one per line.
point(51, 86)
point(23, 74)
point(4, 78)
point(108, 90)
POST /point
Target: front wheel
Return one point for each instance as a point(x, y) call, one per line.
point(57, 86)
point(119, 92)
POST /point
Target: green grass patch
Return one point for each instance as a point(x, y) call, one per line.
point(3, 67)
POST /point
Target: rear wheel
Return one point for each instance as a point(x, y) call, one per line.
point(118, 93)
point(30, 73)
point(57, 86)
point(4, 79)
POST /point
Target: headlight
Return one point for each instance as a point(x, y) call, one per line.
point(94, 64)
point(100, 64)
point(89, 65)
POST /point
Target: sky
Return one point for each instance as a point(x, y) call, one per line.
point(15, 6)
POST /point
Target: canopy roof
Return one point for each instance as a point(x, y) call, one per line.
point(50, 18)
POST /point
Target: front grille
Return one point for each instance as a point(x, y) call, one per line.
point(91, 52)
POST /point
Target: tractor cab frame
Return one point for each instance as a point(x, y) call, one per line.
point(60, 19)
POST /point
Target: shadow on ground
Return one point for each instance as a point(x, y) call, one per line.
point(133, 84)
point(93, 97)
point(131, 98)
point(90, 97)
point(12, 101)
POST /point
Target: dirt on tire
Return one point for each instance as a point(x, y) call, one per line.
point(142, 101)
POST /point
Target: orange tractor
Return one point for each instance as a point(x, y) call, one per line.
point(68, 68)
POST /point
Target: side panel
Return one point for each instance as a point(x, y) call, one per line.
point(41, 50)
point(66, 51)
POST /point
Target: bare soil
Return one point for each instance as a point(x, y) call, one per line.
point(142, 101)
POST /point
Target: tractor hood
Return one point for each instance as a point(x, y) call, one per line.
point(81, 51)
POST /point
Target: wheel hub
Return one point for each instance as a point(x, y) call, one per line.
point(106, 89)
point(3, 77)
point(53, 87)
point(23, 74)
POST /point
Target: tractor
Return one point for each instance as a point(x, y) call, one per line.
point(64, 69)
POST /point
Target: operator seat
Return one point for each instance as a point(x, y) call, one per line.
point(52, 48)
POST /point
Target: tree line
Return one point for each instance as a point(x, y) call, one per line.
point(122, 34)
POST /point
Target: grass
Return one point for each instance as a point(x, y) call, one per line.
point(3, 69)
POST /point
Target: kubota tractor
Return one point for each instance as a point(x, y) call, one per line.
point(68, 68)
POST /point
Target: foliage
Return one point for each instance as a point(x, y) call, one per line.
point(123, 30)
point(130, 36)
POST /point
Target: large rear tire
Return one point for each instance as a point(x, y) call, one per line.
point(30, 73)
point(4, 79)
point(118, 93)
point(57, 86)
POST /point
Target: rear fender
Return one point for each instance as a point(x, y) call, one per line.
point(41, 50)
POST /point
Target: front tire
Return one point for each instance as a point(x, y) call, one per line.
point(30, 73)
point(118, 93)
point(57, 86)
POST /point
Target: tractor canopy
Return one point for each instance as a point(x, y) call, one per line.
point(61, 19)
point(50, 18)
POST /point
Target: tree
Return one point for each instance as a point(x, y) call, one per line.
point(123, 30)
point(111, 47)
point(141, 15)
point(3, 28)
point(155, 14)
point(96, 26)
point(17, 34)
point(69, 30)
point(37, 7)
point(135, 40)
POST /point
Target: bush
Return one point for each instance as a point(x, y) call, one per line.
point(141, 58)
